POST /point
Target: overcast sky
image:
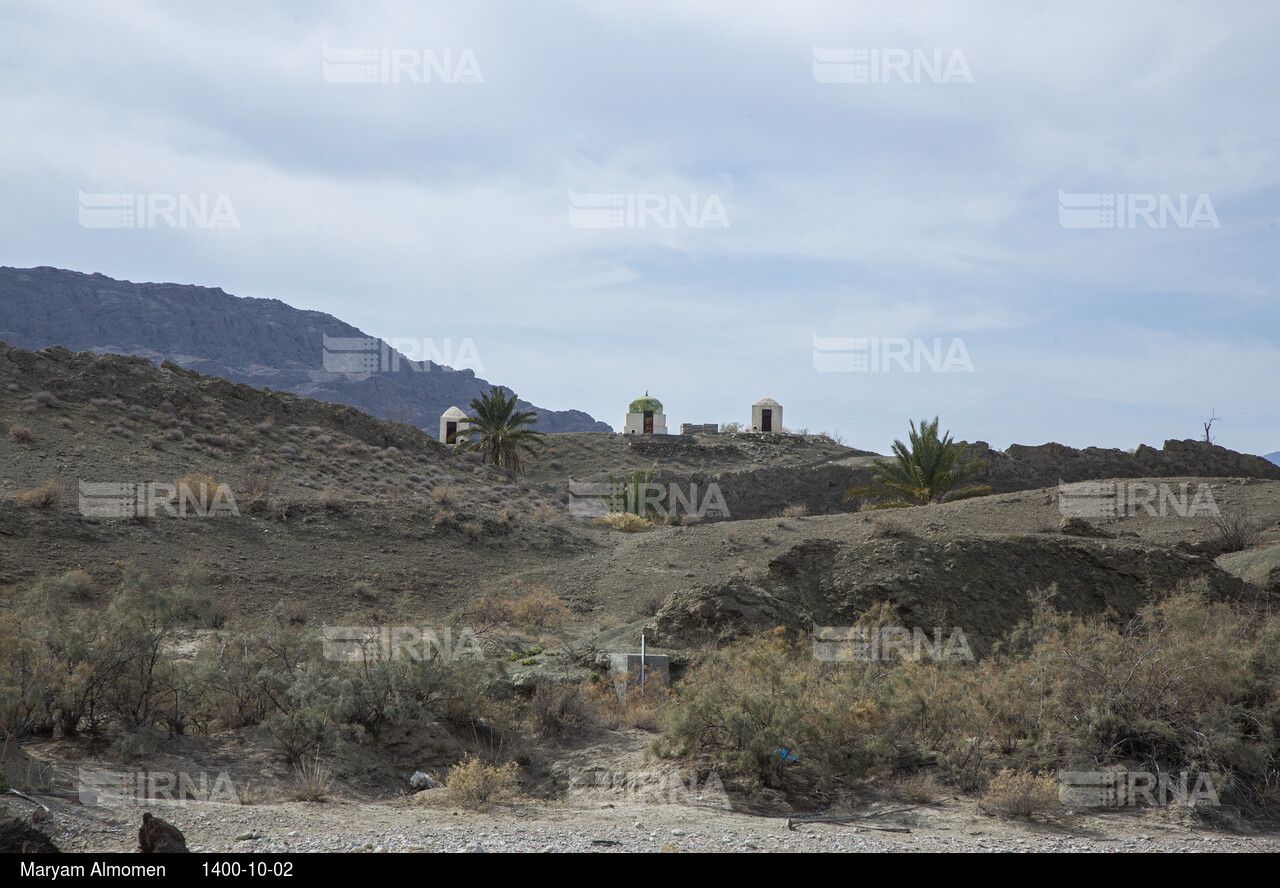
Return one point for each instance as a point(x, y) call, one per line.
point(873, 173)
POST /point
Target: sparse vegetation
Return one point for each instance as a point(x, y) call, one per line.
point(47, 496)
point(20, 434)
point(1182, 687)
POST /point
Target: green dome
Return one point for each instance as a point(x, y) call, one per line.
point(645, 404)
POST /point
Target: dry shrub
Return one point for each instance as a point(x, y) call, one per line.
point(333, 499)
point(627, 522)
point(446, 495)
point(197, 485)
point(890, 526)
point(548, 515)
point(1232, 530)
point(47, 496)
point(797, 511)
point(536, 607)
point(474, 785)
point(649, 604)
point(20, 434)
point(259, 477)
point(918, 789)
point(1020, 794)
point(473, 529)
point(631, 710)
point(558, 710)
point(533, 607)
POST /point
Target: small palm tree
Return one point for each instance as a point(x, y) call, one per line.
point(924, 473)
point(498, 431)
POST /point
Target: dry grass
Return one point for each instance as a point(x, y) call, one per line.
point(20, 434)
point(446, 495)
point(1020, 794)
point(919, 788)
point(314, 781)
point(47, 496)
point(627, 522)
point(889, 527)
point(797, 511)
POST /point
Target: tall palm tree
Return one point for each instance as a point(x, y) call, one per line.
point(924, 473)
point(498, 431)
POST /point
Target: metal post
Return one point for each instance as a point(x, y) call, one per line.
point(642, 664)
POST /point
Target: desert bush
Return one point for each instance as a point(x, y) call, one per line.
point(333, 499)
point(627, 522)
point(890, 527)
point(258, 478)
point(446, 495)
point(558, 710)
point(917, 788)
point(730, 427)
point(743, 704)
point(649, 604)
point(548, 515)
point(796, 511)
point(47, 496)
point(1232, 530)
point(20, 434)
point(1020, 794)
point(474, 785)
point(195, 488)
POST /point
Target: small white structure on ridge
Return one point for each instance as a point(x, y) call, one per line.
point(766, 416)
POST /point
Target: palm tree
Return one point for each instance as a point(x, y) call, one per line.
point(498, 431)
point(924, 473)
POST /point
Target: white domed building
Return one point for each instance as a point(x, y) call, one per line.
point(645, 417)
point(766, 416)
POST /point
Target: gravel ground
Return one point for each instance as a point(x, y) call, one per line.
point(406, 827)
